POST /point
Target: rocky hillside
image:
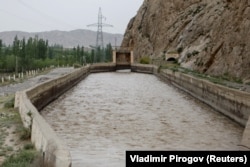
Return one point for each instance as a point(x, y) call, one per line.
point(212, 36)
point(68, 39)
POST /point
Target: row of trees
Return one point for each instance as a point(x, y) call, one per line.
point(36, 53)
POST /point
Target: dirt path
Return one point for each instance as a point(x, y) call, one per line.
point(11, 89)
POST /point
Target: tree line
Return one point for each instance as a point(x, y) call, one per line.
point(36, 53)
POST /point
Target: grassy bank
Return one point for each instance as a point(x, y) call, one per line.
point(224, 80)
point(16, 149)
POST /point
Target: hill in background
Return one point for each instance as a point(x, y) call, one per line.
point(68, 39)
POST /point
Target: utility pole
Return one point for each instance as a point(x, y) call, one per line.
point(99, 35)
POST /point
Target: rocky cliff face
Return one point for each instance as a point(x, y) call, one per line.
point(212, 36)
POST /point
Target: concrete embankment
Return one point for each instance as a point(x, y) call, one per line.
point(29, 101)
point(102, 67)
point(141, 68)
point(231, 102)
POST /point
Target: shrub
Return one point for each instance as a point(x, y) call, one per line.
point(28, 146)
point(145, 60)
point(10, 103)
point(195, 52)
point(25, 134)
point(179, 50)
point(189, 55)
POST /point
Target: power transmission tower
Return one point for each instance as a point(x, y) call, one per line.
point(99, 35)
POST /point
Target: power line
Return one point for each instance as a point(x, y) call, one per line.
point(99, 34)
point(34, 22)
point(44, 15)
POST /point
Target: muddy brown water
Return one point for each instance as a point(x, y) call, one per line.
point(109, 113)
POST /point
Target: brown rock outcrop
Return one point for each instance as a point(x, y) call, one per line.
point(212, 36)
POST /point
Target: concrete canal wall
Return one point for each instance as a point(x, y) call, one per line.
point(102, 67)
point(31, 101)
point(143, 68)
point(231, 102)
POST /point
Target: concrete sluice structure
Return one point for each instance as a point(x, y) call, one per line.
point(232, 103)
point(123, 58)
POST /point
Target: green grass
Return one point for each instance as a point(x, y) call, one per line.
point(4, 99)
point(22, 159)
point(8, 148)
point(222, 80)
point(27, 157)
point(25, 133)
point(28, 146)
point(10, 103)
point(11, 118)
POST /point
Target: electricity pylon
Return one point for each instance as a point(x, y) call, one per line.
point(99, 35)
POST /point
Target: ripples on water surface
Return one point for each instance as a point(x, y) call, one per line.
point(109, 113)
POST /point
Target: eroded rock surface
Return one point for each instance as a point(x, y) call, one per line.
point(212, 36)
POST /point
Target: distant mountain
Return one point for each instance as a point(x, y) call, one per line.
point(68, 39)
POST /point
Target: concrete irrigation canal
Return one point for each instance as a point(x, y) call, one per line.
point(105, 114)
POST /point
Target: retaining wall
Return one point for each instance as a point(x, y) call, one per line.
point(102, 67)
point(144, 68)
point(231, 102)
point(30, 101)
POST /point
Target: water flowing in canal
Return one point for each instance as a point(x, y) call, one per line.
point(109, 113)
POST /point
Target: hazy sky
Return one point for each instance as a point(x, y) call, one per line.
point(46, 15)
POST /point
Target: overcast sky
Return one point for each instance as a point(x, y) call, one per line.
point(66, 15)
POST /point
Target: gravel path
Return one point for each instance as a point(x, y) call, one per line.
point(13, 88)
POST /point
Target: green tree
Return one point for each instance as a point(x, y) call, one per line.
point(1, 46)
point(98, 55)
point(22, 55)
point(92, 56)
point(30, 53)
point(36, 53)
point(10, 63)
point(78, 54)
point(41, 49)
point(16, 45)
point(82, 55)
point(109, 52)
point(1, 55)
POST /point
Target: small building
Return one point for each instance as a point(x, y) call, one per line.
point(123, 58)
